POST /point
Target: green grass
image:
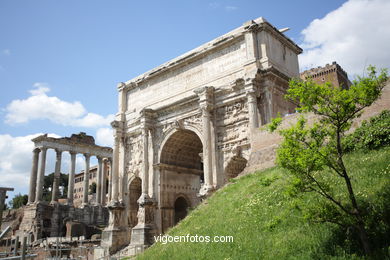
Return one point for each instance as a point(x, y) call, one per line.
point(268, 224)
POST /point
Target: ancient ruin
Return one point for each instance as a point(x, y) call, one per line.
point(42, 219)
point(184, 128)
point(182, 131)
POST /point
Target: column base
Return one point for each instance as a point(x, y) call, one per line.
point(142, 235)
point(116, 235)
point(114, 240)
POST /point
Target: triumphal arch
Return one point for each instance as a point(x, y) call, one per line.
point(184, 128)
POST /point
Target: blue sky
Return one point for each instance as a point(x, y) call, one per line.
point(60, 61)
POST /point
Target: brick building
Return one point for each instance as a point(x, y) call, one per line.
point(79, 189)
point(329, 73)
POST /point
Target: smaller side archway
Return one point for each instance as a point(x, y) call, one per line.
point(135, 191)
point(181, 209)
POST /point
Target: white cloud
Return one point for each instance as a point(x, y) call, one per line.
point(355, 35)
point(41, 88)
point(104, 136)
point(15, 162)
point(41, 106)
point(93, 120)
point(16, 159)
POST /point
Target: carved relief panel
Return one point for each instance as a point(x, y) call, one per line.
point(134, 154)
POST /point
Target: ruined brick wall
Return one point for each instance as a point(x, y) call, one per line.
point(264, 144)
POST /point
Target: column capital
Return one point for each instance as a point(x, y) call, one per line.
point(72, 152)
point(251, 83)
point(205, 109)
point(147, 113)
point(121, 86)
point(116, 124)
point(251, 95)
point(147, 117)
point(42, 148)
point(87, 155)
point(100, 159)
point(206, 101)
point(145, 129)
point(204, 91)
point(58, 152)
point(36, 150)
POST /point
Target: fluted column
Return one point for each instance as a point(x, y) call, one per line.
point(71, 177)
point(104, 181)
point(33, 175)
point(41, 175)
point(86, 179)
point(57, 175)
point(207, 156)
point(252, 109)
point(99, 181)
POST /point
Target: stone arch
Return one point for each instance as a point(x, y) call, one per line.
point(181, 174)
point(235, 166)
point(182, 148)
point(166, 137)
point(181, 206)
point(135, 191)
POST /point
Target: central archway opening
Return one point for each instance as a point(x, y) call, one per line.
point(184, 149)
point(181, 170)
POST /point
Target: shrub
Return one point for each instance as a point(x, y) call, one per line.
point(372, 134)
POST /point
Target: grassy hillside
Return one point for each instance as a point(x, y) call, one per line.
point(266, 223)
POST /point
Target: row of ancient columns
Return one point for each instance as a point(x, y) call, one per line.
point(38, 174)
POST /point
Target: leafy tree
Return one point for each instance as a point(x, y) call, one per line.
point(307, 151)
point(18, 201)
point(92, 188)
point(48, 185)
